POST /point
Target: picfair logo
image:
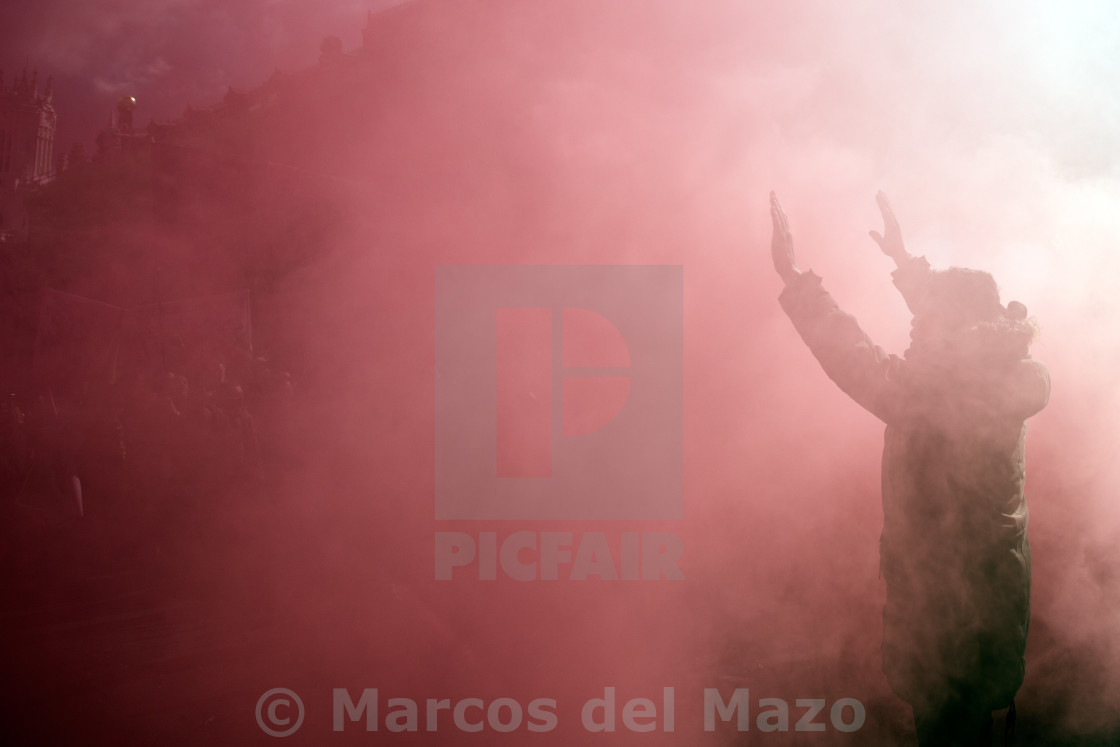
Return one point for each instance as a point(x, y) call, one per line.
point(558, 392)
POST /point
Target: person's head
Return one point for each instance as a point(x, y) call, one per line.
point(961, 312)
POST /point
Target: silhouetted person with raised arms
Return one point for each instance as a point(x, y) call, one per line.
point(954, 550)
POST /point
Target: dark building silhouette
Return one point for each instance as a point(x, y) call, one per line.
point(27, 127)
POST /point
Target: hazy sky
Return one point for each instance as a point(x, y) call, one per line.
point(168, 53)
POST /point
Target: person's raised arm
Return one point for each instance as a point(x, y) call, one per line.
point(912, 272)
point(858, 366)
point(890, 240)
point(781, 243)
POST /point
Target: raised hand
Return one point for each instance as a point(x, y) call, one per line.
point(781, 243)
point(890, 241)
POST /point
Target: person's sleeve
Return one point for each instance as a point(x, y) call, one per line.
point(912, 280)
point(862, 369)
point(1030, 388)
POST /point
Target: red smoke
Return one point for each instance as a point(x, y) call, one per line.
point(627, 133)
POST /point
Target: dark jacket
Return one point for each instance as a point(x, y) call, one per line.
point(954, 550)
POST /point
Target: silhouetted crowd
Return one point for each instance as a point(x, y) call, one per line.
point(135, 445)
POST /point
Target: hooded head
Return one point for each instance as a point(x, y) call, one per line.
point(959, 313)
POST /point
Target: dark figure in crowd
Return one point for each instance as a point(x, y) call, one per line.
point(954, 551)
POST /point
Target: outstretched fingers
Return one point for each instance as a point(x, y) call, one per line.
point(890, 222)
point(781, 243)
point(890, 240)
point(781, 223)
